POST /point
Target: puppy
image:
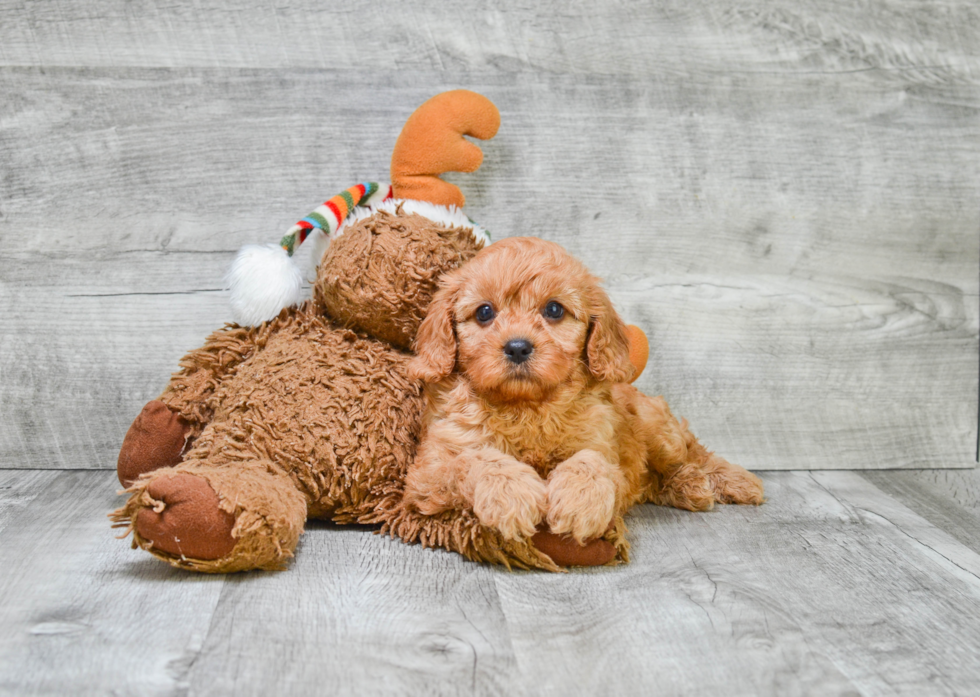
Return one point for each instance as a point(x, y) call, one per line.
point(530, 417)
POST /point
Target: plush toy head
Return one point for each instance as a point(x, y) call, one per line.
point(388, 243)
point(379, 275)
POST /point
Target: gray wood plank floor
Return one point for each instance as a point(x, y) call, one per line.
point(843, 583)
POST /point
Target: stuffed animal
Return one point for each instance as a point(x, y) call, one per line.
point(305, 409)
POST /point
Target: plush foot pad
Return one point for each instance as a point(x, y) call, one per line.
point(565, 551)
point(155, 440)
point(190, 523)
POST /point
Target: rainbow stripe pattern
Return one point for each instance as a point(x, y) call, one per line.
point(334, 212)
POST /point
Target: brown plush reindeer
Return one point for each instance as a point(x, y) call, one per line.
point(309, 412)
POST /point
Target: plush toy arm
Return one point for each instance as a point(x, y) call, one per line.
point(203, 369)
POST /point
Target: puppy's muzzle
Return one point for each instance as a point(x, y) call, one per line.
point(518, 350)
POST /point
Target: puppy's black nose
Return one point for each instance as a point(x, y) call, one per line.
point(518, 350)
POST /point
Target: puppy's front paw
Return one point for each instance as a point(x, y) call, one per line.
point(582, 496)
point(512, 501)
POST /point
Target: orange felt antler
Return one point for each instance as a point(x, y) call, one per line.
point(432, 143)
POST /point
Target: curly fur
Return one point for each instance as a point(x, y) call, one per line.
point(559, 438)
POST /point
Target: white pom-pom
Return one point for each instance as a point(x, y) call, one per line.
point(263, 280)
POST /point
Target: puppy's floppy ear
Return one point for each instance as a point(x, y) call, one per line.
point(435, 343)
point(607, 349)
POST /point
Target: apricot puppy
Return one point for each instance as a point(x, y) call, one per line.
point(530, 419)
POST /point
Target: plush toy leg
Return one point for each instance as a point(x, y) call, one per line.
point(155, 440)
point(188, 520)
point(232, 517)
point(158, 436)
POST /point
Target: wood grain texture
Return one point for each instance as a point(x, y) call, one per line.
point(614, 37)
point(783, 195)
point(831, 587)
point(949, 499)
point(82, 351)
point(962, 488)
point(807, 595)
point(82, 614)
point(829, 372)
point(363, 615)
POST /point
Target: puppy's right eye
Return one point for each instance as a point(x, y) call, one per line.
point(485, 313)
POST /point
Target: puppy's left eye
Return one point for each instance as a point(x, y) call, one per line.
point(485, 313)
point(554, 310)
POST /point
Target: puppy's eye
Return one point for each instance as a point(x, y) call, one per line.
point(485, 313)
point(554, 310)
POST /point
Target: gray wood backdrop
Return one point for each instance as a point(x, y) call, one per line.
point(783, 194)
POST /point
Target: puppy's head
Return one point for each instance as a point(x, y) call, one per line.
point(520, 319)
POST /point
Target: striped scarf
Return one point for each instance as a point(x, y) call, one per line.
point(334, 212)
